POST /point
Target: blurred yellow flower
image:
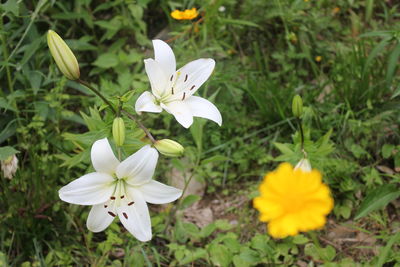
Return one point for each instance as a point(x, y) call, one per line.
point(188, 14)
point(293, 201)
point(318, 58)
point(336, 10)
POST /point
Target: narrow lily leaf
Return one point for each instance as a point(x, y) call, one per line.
point(392, 65)
point(377, 199)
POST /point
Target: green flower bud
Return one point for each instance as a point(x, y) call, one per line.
point(118, 131)
point(63, 56)
point(169, 148)
point(297, 106)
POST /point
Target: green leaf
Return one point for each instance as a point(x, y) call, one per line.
point(392, 64)
point(240, 22)
point(11, 6)
point(192, 256)
point(283, 148)
point(189, 201)
point(215, 158)
point(387, 150)
point(377, 49)
point(377, 199)
point(220, 255)
point(197, 132)
point(384, 253)
point(106, 61)
point(6, 105)
point(6, 152)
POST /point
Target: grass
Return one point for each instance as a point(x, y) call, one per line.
point(266, 52)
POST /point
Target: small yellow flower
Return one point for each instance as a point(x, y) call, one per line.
point(318, 58)
point(293, 201)
point(336, 10)
point(188, 14)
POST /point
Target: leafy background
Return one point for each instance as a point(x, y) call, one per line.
point(340, 56)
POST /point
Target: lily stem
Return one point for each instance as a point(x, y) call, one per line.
point(97, 92)
point(145, 130)
point(301, 134)
point(117, 112)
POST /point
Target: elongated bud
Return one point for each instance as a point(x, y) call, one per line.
point(63, 56)
point(169, 148)
point(118, 131)
point(297, 106)
point(304, 165)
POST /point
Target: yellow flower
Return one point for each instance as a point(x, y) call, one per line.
point(318, 58)
point(188, 14)
point(293, 201)
point(336, 10)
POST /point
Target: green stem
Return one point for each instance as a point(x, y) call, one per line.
point(301, 134)
point(97, 92)
point(145, 130)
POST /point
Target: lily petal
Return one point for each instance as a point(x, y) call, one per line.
point(136, 218)
point(203, 108)
point(146, 102)
point(91, 189)
point(157, 193)
point(103, 158)
point(164, 55)
point(139, 167)
point(99, 217)
point(192, 76)
point(181, 112)
point(157, 76)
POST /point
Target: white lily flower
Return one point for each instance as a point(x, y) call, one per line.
point(120, 188)
point(173, 90)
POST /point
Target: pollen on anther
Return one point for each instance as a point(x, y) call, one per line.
point(112, 198)
point(192, 87)
point(105, 206)
point(122, 196)
point(186, 76)
point(172, 89)
point(183, 98)
point(112, 214)
point(131, 203)
point(172, 76)
point(125, 215)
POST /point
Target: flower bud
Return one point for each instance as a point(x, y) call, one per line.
point(297, 106)
point(63, 56)
point(9, 166)
point(169, 148)
point(304, 165)
point(118, 131)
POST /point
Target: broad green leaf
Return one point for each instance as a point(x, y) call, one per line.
point(377, 199)
point(190, 200)
point(106, 61)
point(7, 151)
point(387, 150)
point(192, 256)
point(220, 255)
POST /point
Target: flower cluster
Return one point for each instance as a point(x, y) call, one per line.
point(124, 188)
point(293, 200)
